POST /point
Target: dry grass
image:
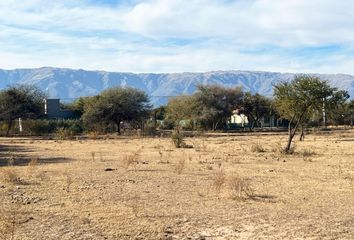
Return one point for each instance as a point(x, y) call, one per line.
point(180, 165)
point(11, 175)
point(130, 159)
point(257, 147)
point(240, 188)
point(194, 196)
point(219, 179)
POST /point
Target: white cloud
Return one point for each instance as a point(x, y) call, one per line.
point(178, 35)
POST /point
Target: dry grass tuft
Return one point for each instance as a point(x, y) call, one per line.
point(92, 135)
point(240, 188)
point(180, 165)
point(219, 179)
point(130, 159)
point(308, 153)
point(257, 147)
point(10, 175)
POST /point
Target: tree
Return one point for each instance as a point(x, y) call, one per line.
point(115, 105)
point(180, 108)
point(337, 108)
point(295, 100)
point(215, 104)
point(20, 101)
point(256, 106)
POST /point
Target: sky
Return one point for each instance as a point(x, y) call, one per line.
point(314, 36)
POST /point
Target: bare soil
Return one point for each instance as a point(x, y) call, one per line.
point(235, 186)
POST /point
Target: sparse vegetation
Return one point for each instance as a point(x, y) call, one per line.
point(257, 147)
point(240, 188)
point(177, 139)
point(219, 179)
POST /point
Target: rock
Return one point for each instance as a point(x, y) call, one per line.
point(108, 169)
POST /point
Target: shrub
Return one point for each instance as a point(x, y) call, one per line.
point(219, 179)
point(240, 188)
point(63, 134)
point(177, 139)
point(257, 147)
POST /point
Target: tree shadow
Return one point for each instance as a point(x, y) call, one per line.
point(15, 155)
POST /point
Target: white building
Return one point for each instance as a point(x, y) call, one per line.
point(238, 119)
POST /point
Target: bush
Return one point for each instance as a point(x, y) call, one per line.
point(63, 133)
point(177, 139)
point(257, 147)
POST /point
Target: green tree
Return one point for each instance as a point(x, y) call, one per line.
point(215, 104)
point(21, 101)
point(337, 108)
point(256, 106)
point(295, 100)
point(115, 105)
point(180, 108)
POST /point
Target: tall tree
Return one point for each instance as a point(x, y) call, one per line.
point(296, 99)
point(256, 106)
point(20, 101)
point(180, 108)
point(116, 105)
point(215, 104)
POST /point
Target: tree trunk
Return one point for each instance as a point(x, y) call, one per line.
point(302, 136)
point(118, 127)
point(291, 132)
point(290, 139)
point(9, 126)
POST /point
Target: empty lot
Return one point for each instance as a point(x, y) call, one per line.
point(235, 186)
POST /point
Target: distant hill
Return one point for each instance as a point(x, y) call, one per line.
point(70, 83)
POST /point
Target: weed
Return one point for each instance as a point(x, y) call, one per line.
point(257, 147)
point(240, 188)
point(68, 181)
point(308, 153)
point(10, 175)
point(177, 139)
point(219, 179)
point(179, 167)
point(63, 133)
point(130, 159)
point(11, 161)
point(92, 135)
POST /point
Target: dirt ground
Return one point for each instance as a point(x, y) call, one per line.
point(228, 186)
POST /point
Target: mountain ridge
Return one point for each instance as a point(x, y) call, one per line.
point(67, 83)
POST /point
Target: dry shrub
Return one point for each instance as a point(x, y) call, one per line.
point(11, 161)
point(180, 165)
point(10, 175)
point(63, 133)
point(240, 188)
point(308, 153)
point(92, 135)
point(257, 147)
point(130, 159)
point(219, 179)
point(277, 147)
point(68, 180)
point(177, 139)
point(32, 166)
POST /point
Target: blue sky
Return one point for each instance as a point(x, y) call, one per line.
point(179, 35)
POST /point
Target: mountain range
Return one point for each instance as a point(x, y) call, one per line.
point(68, 84)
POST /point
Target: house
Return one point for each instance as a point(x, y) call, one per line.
point(52, 110)
point(237, 120)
